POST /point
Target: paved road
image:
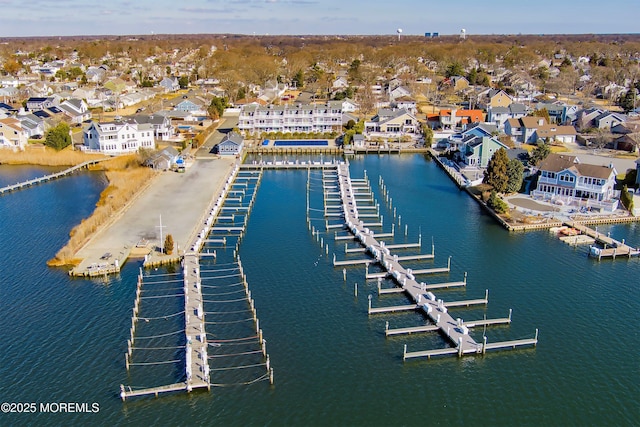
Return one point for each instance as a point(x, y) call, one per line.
point(601, 157)
point(228, 122)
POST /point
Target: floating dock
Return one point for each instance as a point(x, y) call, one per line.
point(436, 310)
point(612, 248)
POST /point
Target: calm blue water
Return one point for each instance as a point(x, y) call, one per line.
point(305, 142)
point(64, 339)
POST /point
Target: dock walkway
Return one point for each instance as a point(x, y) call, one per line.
point(435, 309)
point(612, 248)
point(35, 181)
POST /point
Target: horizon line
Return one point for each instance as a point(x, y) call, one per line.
point(394, 35)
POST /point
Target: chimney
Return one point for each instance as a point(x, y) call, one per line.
point(540, 122)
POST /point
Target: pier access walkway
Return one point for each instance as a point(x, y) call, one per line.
point(45, 178)
point(435, 309)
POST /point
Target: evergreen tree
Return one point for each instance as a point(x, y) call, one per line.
point(627, 100)
point(626, 198)
point(168, 244)
point(540, 153)
point(217, 106)
point(58, 137)
point(427, 133)
point(515, 172)
point(497, 204)
point(496, 173)
point(299, 79)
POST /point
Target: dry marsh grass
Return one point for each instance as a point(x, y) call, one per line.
point(45, 156)
point(126, 179)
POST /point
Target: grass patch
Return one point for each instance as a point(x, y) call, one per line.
point(45, 156)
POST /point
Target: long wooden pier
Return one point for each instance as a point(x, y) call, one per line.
point(36, 181)
point(455, 331)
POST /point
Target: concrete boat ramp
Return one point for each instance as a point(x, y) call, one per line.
point(455, 331)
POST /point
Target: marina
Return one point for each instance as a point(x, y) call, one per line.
point(305, 338)
point(436, 310)
point(196, 345)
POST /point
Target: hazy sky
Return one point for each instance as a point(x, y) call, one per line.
point(90, 17)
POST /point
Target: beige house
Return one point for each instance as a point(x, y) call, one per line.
point(392, 123)
point(12, 135)
point(499, 98)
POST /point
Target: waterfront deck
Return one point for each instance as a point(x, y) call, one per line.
point(436, 310)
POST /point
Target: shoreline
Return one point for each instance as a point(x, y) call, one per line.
point(533, 226)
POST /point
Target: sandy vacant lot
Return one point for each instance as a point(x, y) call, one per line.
point(181, 200)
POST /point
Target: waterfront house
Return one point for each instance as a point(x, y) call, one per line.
point(565, 180)
point(231, 145)
point(11, 134)
point(476, 151)
point(306, 118)
point(118, 137)
point(33, 125)
point(162, 127)
point(392, 124)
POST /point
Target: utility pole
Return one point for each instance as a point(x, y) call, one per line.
point(161, 241)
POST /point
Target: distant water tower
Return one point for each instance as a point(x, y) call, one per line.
point(399, 31)
point(463, 34)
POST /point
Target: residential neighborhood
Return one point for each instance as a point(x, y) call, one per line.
point(119, 101)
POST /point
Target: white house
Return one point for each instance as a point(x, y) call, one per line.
point(170, 84)
point(349, 105)
point(291, 118)
point(118, 137)
point(33, 125)
point(564, 180)
point(162, 127)
point(12, 135)
point(76, 109)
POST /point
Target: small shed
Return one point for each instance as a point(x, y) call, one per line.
point(231, 145)
point(358, 140)
point(163, 159)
